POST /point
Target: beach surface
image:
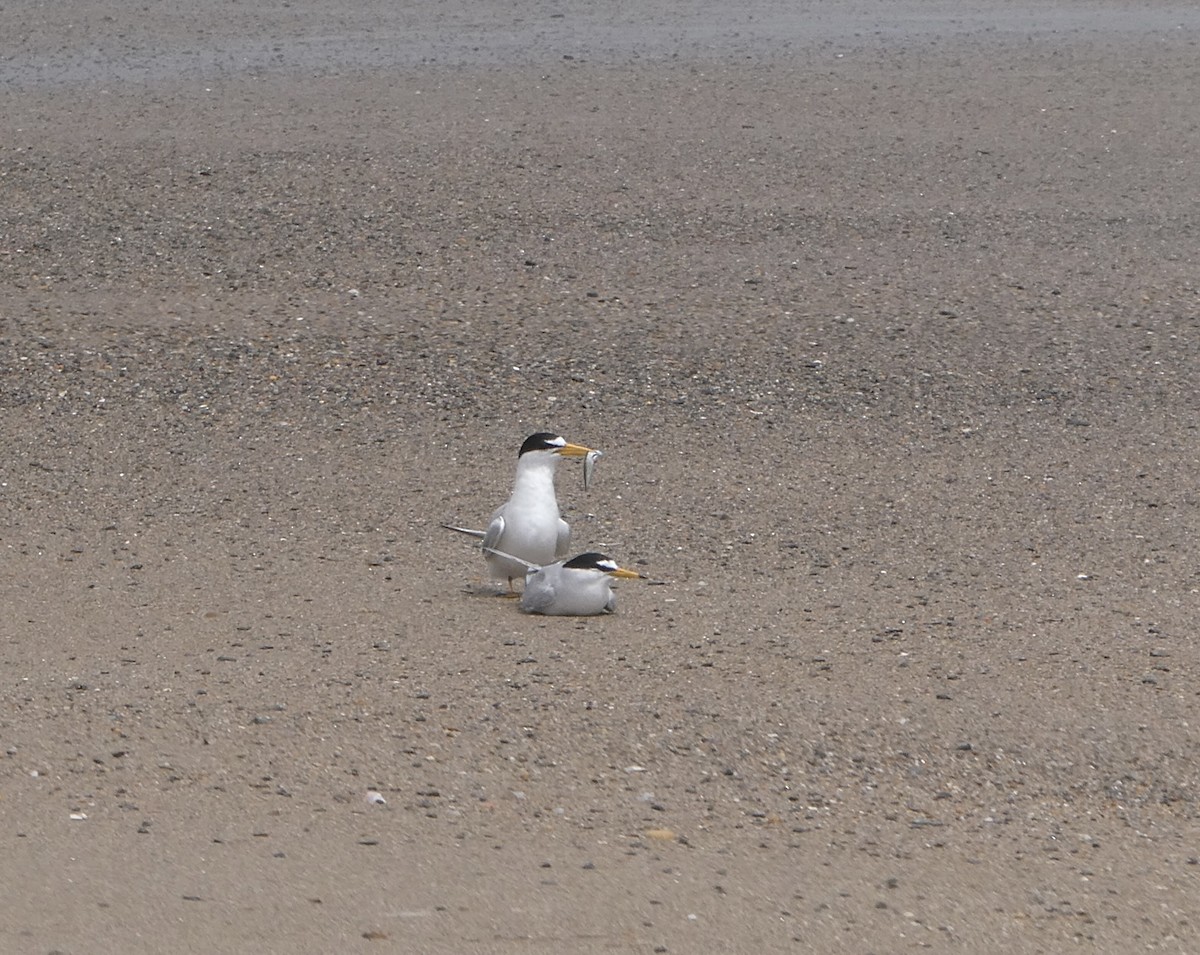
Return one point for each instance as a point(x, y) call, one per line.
point(886, 319)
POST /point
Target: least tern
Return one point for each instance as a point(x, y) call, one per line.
point(527, 530)
point(579, 587)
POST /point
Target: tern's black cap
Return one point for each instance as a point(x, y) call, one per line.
point(591, 561)
point(542, 441)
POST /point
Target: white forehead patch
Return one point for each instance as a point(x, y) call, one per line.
point(607, 565)
point(558, 442)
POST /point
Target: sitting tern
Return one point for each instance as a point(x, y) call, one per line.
point(527, 529)
point(579, 587)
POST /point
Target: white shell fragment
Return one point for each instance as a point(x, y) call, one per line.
point(589, 465)
point(376, 797)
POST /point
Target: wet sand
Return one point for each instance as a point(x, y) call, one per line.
point(885, 319)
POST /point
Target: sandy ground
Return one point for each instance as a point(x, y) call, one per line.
point(885, 316)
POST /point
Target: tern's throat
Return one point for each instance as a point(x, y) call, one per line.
point(535, 480)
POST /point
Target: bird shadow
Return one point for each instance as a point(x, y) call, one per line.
point(489, 590)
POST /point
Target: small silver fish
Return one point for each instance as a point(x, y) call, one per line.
point(589, 465)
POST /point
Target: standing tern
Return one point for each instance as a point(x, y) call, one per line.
point(579, 587)
point(527, 529)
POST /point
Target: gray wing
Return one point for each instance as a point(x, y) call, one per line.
point(564, 540)
point(538, 596)
point(491, 537)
